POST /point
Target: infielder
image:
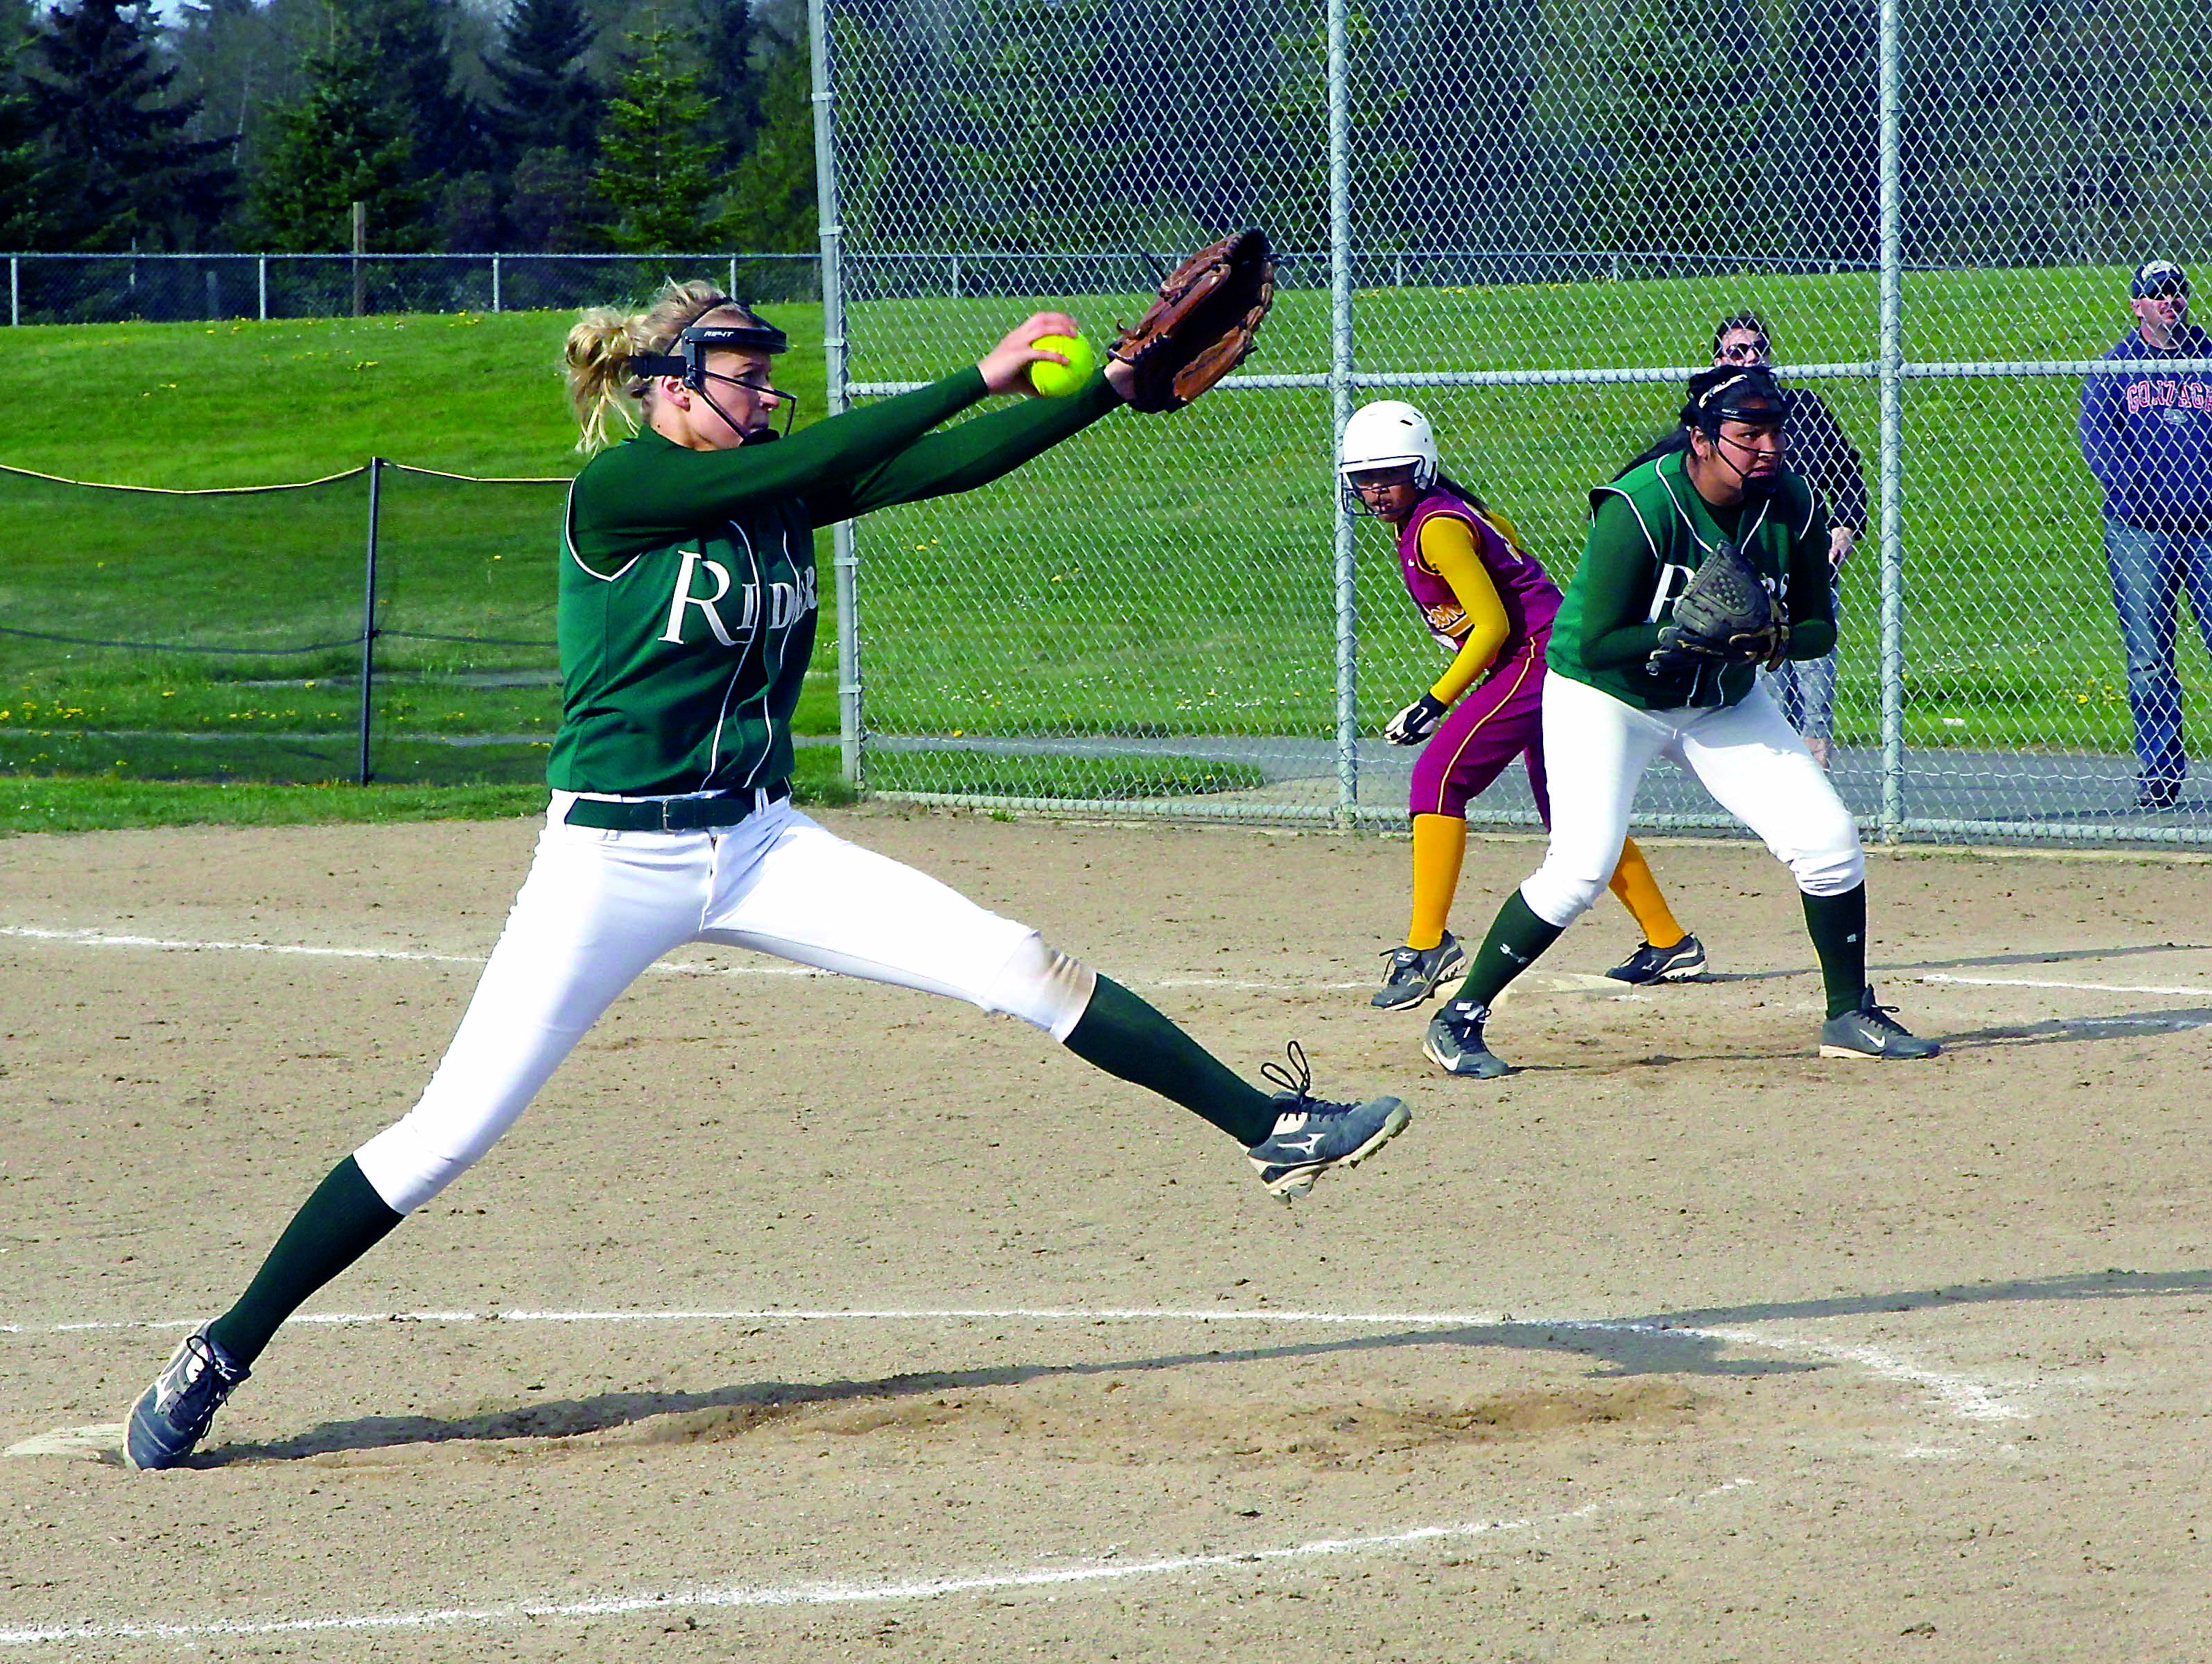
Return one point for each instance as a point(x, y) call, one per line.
point(1490, 604)
point(686, 617)
point(1632, 681)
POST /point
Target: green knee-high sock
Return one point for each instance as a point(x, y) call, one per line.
point(341, 1222)
point(1122, 1035)
point(1837, 925)
point(1516, 939)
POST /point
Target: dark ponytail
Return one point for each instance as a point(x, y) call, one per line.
point(1666, 445)
point(1445, 482)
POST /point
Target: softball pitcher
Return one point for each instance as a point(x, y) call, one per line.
point(1628, 685)
point(1490, 605)
point(686, 613)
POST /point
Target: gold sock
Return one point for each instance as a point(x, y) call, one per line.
point(1640, 893)
point(1439, 842)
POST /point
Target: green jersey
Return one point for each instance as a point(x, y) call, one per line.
point(689, 596)
point(1649, 531)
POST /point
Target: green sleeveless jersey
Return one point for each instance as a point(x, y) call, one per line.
point(688, 594)
point(1649, 531)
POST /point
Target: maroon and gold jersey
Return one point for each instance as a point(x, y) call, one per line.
point(1531, 600)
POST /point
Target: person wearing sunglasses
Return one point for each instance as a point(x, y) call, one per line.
point(2146, 432)
point(1823, 454)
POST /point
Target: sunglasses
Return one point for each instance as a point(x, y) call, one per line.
point(2167, 292)
point(1743, 352)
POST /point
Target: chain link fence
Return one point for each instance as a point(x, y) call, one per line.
point(1529, 220)
point(83, 289)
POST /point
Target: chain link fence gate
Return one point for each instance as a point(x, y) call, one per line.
point(1528, 218)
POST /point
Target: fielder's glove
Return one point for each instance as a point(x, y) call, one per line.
point(1726, 613)
point(1201, 325)
point(1415, 723)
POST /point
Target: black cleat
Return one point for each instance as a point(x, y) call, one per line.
point(2158, 793)
point(1683, 962)
point(1313, 1135)
point(1415, 972)
point(1871, 1032)
point(1454, 1041)
point(172, 1416)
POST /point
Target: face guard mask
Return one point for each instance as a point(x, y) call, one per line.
point(687, 364)
point(1753, 398)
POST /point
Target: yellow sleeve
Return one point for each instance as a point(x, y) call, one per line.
point(1447, 550)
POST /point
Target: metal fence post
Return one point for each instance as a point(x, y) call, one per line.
point(360, 247)
point(369, 622)
point(1892, 821)
point(1340, 409)
point(494, 283)
point(733, 290)
point(15, 288)
point(845, 564)
point(261, 282)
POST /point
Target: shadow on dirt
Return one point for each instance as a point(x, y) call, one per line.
point(1663, 1344)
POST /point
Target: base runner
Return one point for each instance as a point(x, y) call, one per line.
point(1490, 604)
point(1630, 684)
point(686, 617)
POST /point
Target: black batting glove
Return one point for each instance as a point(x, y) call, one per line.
point(1416, 722)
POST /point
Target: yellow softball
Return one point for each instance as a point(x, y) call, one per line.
point(1056, 380)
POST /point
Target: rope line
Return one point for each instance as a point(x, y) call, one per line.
point(179, 647)
point(169, 491)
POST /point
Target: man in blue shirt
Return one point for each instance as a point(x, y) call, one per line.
point(2147, 434)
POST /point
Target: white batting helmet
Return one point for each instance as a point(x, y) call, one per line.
point(1386, 434)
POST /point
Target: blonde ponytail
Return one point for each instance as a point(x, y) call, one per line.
point(600, 346)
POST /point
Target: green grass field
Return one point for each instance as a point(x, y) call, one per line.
point(1155, 576)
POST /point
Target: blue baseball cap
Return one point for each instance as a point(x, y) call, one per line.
point(2155, 279)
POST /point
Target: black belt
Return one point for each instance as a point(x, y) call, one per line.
point(724, 808)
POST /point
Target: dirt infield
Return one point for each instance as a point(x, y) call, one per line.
point(804, 1320)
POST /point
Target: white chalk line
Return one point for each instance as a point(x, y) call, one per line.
point(1562, 982)
point(1962, 1395)
point(838, 1594)
point(1556, 981)
point(2071, 987)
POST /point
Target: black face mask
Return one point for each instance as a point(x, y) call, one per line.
point(688, 363)
point(1753, 485)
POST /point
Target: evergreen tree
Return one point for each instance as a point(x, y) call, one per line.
point(545, 97)
point(655, 163)
point(22, 162)
point(107, 119)
point(549, 205)
point(770, 204)
point(731, 41)
point(408, 47)
point(1689, 83)
point(341, 142)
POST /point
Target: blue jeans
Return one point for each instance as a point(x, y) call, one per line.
point(1806, 688)
point(2149, 570)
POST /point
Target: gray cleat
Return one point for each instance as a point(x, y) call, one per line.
point(1312, 1135)
point(1683, 962)
point(1415, 972)
point(1454, 1041)
point(1871, 1032)
point(171, 1415)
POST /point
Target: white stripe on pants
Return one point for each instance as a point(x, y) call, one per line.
point(1746, 755)
point(599, 907)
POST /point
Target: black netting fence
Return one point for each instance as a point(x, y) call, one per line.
point(388, 623)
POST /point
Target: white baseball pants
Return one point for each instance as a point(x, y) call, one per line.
point(1746, 755)
point(599, 907)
